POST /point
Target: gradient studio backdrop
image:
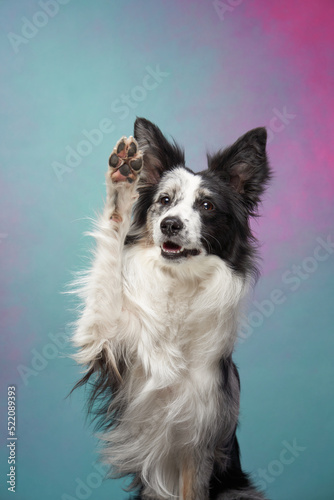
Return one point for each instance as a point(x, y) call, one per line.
point(205, 72)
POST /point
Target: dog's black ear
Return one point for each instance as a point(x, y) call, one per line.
point(159, 154)
point(244, 165)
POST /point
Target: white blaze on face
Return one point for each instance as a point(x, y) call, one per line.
point(182, 187)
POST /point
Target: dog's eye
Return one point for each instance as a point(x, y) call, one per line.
point(165, 200)
point(207, 205)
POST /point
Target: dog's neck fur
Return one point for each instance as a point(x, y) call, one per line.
point(193, 306)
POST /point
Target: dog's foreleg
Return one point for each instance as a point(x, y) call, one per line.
point(101, 289)
point(194, 478)
point(187, 482)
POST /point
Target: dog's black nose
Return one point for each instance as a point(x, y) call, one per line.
point(171, 225)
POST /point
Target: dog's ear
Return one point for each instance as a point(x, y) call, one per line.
point(244, 165)
point(159, 154)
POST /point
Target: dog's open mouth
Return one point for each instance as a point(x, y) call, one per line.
point(171, 250)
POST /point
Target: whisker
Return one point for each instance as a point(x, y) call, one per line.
point(211, 236)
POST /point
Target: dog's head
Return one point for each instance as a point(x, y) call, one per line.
point(188, 214)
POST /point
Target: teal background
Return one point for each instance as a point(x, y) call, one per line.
point(226, 67)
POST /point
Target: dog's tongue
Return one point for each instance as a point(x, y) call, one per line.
point(169, 246)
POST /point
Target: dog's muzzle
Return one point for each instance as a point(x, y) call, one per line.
point(171, 227)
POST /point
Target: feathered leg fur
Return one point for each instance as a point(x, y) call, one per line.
point(98, 330)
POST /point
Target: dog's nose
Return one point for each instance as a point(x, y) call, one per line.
point(171, 226)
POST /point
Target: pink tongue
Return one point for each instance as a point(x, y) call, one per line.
point(171, 247)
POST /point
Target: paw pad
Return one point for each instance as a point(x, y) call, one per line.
point(126, 160)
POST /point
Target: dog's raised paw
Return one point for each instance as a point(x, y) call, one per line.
point(125, 161)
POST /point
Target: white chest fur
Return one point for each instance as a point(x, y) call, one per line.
point(187, 317)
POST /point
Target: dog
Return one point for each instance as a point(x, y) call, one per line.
point(174, 260)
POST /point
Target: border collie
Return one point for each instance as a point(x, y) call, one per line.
point(174, 259)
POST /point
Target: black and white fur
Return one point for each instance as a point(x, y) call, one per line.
point(174, 260)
